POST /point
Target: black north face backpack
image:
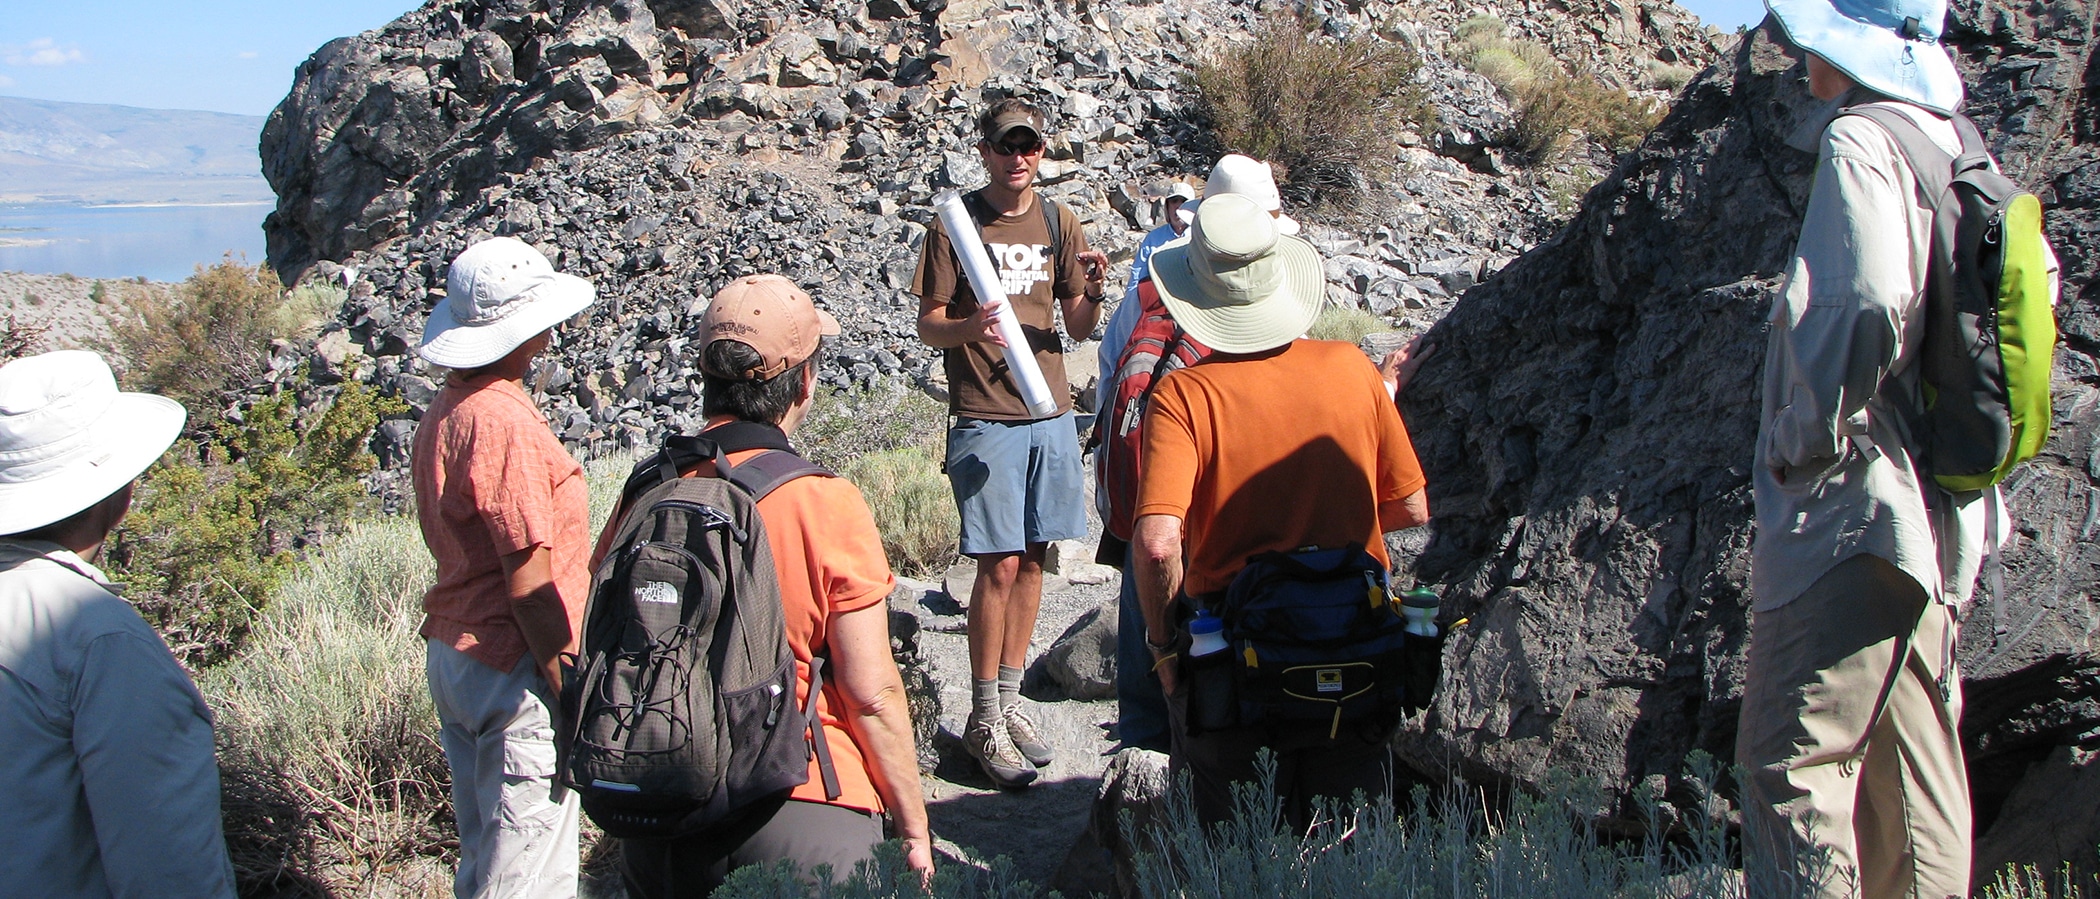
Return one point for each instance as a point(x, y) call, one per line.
point(681, 708)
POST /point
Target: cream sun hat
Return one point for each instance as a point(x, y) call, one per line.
point(1248, 177)
point(69, 438)
point(1235, 282)
point(1891, 47)
point(499, 293)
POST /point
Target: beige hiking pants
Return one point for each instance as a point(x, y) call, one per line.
point(517, 825)
point(1849, 733)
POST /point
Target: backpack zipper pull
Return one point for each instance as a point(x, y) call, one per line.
point(773, 709)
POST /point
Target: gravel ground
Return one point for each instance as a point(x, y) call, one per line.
point(60, 308)
point(1036, 827)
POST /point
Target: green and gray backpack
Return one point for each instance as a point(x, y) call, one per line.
point(1990, 322)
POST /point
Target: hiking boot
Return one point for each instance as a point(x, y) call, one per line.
point(995, 753)
point(1021, 729)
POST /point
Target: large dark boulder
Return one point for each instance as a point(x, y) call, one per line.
point(386, 129)
point(1588, 426)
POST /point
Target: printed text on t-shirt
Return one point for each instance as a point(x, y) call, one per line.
point(1021, 265)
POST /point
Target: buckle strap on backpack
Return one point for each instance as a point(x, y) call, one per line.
point(817, 743)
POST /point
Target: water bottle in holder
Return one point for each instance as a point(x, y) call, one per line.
point(1213, 702)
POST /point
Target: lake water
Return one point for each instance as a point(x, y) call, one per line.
point(162, 243)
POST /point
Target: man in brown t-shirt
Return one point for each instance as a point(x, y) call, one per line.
point(1017, 478)
point(1272, 443)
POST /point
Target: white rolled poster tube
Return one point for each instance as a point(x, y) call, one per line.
point(984, 279)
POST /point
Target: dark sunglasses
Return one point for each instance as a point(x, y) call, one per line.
point(1018, 148)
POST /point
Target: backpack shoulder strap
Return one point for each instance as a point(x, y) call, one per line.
point(1933, 167)
point(762, 474)
point(1053, 222)
point(818, 743)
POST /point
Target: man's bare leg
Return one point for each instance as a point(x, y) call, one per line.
point(1023, 602)
point(991, 610)
point(992, 620)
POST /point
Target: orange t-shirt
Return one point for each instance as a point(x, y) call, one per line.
point(1295, 447)
point(830, 561)
point(492, 480)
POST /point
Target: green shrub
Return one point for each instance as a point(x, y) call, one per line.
point(913, 506)
point(216, 526)
point(1347, 324)
point(1323, 110)
point(328, 744)
point(208, 336)
point(1554, 105)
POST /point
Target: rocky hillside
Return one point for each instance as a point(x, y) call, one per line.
point(1590, 416)
point(662, 148)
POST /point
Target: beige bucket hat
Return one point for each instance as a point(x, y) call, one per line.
point(1236, 282)
point(69, 438)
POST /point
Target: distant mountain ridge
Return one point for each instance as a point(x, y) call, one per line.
point(77, 153)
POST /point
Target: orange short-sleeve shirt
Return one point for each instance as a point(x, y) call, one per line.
point(1295, 447)
point(491, 479)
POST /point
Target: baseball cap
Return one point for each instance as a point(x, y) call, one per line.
point(997, 128)
point(771, 315)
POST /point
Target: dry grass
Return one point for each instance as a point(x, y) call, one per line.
point(334, 782)
point(1348, 325)
point(1556, 106)
point(327, 739)
point(913, 507)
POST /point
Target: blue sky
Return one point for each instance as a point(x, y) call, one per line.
point(220, 55)
point(238, 55)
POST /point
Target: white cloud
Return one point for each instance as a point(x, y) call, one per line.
point(247, 54)
point(42, 52)
point(6, 82)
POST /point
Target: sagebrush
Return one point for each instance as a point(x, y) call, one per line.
point(1323, 109)
point(217, 524)
point(210, 335)
point(888, 440)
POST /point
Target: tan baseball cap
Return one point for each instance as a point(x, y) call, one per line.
point(774, 317)
point(996, 128)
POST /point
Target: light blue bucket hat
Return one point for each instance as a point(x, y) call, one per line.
point(1891, 47)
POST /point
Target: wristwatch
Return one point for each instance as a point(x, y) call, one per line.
point(1159, 648)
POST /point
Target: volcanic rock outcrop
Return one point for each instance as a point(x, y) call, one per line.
point(1588, 425)
point(662, 148)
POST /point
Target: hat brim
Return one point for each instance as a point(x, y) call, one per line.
point(448, 343)
point(133, 434)
point(1876, 57)
point(1250, 327)
point(1284, 224)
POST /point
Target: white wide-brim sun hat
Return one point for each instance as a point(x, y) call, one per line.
point(1249, 177)
point(1865, 40)
point(499, 293)
point(69, 438)
point(1236, 282)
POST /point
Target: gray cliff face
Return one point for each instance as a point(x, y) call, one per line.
point(1589, 421)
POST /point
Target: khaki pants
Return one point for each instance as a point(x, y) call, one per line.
point(517, 826)
point(1849, 733)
